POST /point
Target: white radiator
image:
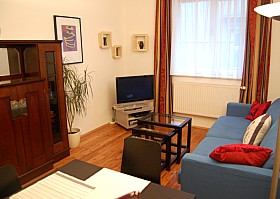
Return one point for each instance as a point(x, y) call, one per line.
point(203, 99)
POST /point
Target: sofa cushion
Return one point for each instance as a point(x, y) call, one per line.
point(208, 144)
point(274, 110)
point(241, 154)
point(257, 130)
point(229, 127)
point(257, 110)
point(269, 141)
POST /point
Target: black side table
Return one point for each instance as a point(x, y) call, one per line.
point(170, 121)
point(163, 135)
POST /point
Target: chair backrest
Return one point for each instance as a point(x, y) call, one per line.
point(9, 181)
point(142, 158)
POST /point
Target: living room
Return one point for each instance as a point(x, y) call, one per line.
point(30, 20)
point(34, 21)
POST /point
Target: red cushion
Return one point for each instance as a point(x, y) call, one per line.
point(241, 154)
point(257, 110)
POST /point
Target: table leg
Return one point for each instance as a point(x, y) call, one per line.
point(187, 148)
point(179, 145)
point(168, 154)
point(189, 136)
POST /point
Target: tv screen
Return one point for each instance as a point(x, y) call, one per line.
point(134, 88)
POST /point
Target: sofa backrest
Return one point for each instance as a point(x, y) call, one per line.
point(269, 141)
point(274, 110)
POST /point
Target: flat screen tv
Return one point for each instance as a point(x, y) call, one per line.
point(134, 88)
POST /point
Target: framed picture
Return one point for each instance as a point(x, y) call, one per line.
point(68, 29)
point(140, 42)
point(117, 51)
point(105, 39)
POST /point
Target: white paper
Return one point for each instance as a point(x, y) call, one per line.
point(111, 184)
point(105, 184)
point(57, 185)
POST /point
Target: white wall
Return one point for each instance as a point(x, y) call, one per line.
point(32, 20)
point(139, 18)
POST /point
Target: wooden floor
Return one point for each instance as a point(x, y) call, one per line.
point(104, 146)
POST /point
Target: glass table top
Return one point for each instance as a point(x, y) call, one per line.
point(166, 120)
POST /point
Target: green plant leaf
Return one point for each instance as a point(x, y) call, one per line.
point(78, 91)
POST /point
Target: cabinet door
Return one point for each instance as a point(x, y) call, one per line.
point(35, 126)
point(11, 143)
point(51, 69)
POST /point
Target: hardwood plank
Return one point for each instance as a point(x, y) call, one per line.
point(104, 145)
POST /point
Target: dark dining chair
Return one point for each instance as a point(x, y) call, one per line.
point(142, 158)
point(9, 181)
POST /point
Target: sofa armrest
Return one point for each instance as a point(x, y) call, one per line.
point(209, 179)
point(238, 109)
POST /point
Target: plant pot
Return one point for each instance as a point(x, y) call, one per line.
point(74, 137)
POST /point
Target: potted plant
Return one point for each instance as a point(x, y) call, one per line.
point(78, 91)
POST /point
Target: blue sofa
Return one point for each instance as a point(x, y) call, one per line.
point(209, 179)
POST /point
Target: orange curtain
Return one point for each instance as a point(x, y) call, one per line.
point(257, 55)
point(162, 54)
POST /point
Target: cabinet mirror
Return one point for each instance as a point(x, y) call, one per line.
point(31, 62)
point(9, 62)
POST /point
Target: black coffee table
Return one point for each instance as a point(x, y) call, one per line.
point(147, 126)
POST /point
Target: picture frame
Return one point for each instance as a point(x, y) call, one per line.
point(140, 42)
point(117, 51)
point(68, 29)
point(105, 39)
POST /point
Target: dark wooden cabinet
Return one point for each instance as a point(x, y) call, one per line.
point(25, 138)
point(32, 106)
point(11, 139)
point(52, 70)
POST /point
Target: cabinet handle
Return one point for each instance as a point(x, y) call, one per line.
point(19, 108)
point(14, 108)
point(23, 107)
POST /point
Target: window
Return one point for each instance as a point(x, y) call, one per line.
point(208, 38)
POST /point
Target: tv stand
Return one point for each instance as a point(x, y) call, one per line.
point(128, 115)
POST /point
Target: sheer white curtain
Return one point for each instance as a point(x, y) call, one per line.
point(208, 38)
